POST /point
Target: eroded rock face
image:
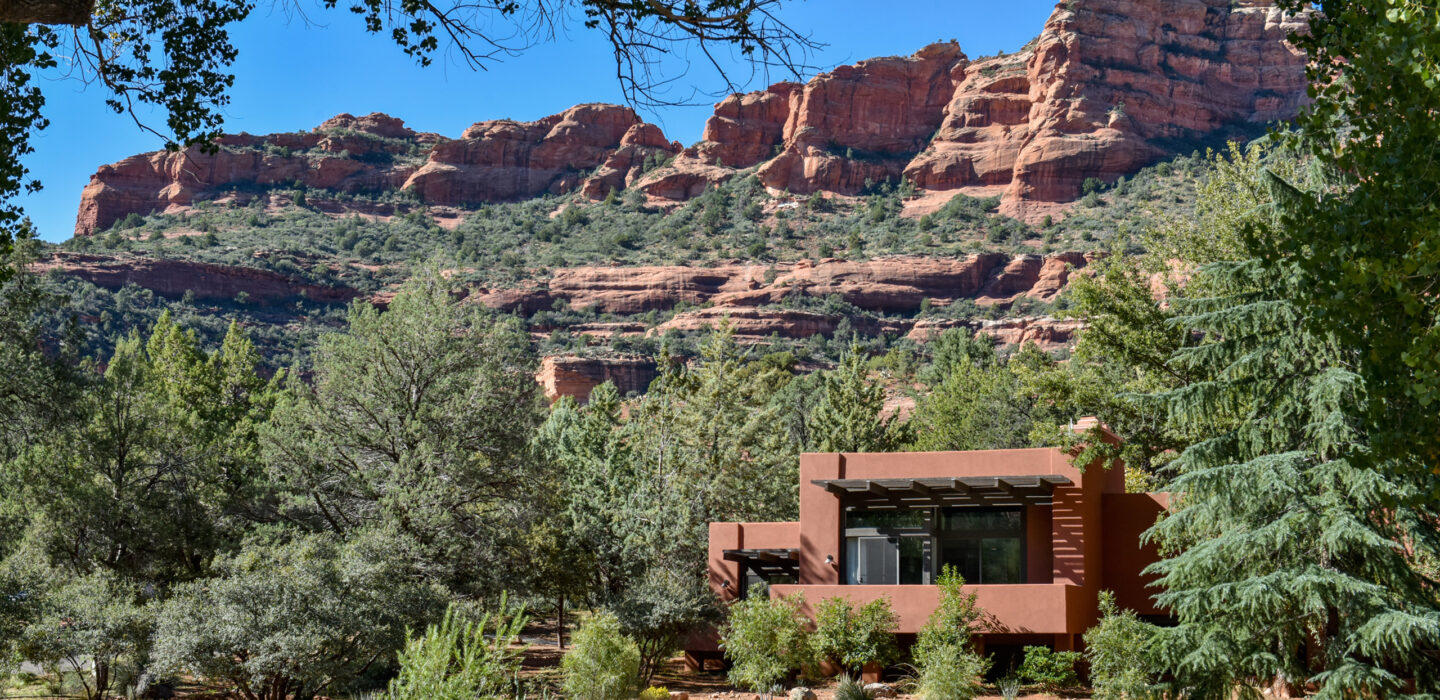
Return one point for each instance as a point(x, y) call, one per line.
point(1108, 87)
point(569, 375)
point(895, 284)
point(507, 160)
point(173, 278)
point(599, 147)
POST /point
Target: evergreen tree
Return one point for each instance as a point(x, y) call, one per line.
point(418, 423)
point(847, 417)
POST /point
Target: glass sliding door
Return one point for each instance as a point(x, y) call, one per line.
point(885, 560)
point(984, 545)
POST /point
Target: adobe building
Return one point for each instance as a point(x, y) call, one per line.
point(1036, 539)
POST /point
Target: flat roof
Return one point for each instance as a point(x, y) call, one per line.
point(976, 491)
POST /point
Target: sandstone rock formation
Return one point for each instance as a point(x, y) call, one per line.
point(505, 160)
point(1108, 87)
point(173, 278)
point(894, 284)
point(569, 375)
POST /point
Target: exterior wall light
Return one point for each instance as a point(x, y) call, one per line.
point(725, 584)
point(830, 559)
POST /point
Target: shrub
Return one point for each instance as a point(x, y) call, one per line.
point(460, 660)
point(951, 672)
point(1092, 184)
point(1050, 669)
point(953, 621)
point(853, 637)
point(765, 640)
point(659, 692)
point(849, 688)
point(1119, 649)
point(1009, 687)
point(604, 664)
point(947, 666)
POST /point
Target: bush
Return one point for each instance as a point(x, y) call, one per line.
point(852, 638)
point(945, 660)
point(954, 619)
point(765, 640)
point(951, 672)
point(1050, 669)
point(604, 664)
point(1119, 649)
point(460, 660)
point(848, 688)
point(659, 692)
point(1092, 184)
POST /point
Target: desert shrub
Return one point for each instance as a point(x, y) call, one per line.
point(953, 621)
point(850, 688)
point(1009, 687)
point(951, 672)
point(1119, 649)
point(852, 637)
point(1050, 669)
point(947, 667)
point(765, 640)
point(658, 692)
point(604, 663)
point(293, 618)
point(459, 659)
point(1092, 184)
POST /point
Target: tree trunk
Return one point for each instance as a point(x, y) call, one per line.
point(72, 12)
point(102, 678)
point(560, 624)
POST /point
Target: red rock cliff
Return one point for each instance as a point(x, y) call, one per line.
point(1108, 87)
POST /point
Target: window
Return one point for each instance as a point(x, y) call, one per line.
point(887, 547)
point(888, 560)
point(985, 545)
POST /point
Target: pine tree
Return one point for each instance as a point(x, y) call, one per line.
point(847, 417)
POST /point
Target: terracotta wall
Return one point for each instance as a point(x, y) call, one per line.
point(1126, 517)
point(725, 536)
point(1021, 608)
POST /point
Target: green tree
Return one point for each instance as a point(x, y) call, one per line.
point(978, 405)
point(418, 421)
point(847, 418)
point(94, 628)
point(295, 619)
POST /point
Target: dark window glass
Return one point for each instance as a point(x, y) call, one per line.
point(914, 559)
point(885, 519)
point(985, 546)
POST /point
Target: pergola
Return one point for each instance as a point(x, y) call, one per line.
point(766, 563)
point(951, 491)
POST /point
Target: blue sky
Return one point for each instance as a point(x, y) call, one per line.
point(290, 76)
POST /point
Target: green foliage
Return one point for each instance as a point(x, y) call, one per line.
point(459, 659)
point(952, 623)
point(766, 641)
point(947, 666)
point(981, 403)
point(847, 417)
point(1050, 669)
point(418, 421)
point(604, 663)
point(1121, 653)
point(951, 672)
point(296, 618)
point(96, 621)
point(848, 687)
point(655, 693)
point(851, 637)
